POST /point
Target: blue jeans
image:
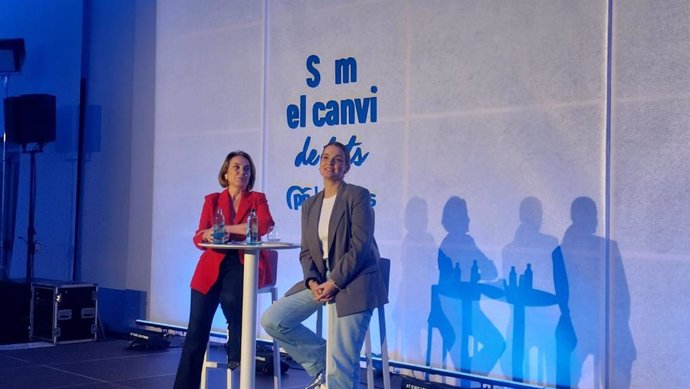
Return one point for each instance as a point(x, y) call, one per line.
point(283, 321)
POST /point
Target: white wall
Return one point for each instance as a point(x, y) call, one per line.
point(650, 213)
point(118, 142)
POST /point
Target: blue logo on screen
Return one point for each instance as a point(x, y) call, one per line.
point(297, 195)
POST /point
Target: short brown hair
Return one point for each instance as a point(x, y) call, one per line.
point(223, 181)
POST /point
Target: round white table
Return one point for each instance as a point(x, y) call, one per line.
point(251, 278)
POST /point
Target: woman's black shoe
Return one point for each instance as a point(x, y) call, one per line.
point(232, 365)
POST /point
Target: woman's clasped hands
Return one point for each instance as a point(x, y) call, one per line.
point(325, 292)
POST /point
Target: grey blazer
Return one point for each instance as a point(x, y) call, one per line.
point(353, 254)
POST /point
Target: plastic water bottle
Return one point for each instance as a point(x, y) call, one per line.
point(219, 228)
point(252, 228)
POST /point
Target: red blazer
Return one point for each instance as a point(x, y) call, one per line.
point(208, 267)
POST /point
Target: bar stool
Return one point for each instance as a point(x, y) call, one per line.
point(385, 266)
point(233, 376)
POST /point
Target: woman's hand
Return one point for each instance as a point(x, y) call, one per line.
point(325, 292)
point(207, 235)
point(314, 287)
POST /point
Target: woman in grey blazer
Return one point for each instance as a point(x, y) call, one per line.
point(339, 260)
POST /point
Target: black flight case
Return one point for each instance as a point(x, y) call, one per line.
point(63, 312)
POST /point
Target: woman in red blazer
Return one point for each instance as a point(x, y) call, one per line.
point(218, 275)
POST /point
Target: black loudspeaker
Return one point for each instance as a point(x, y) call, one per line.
point(30, 119)
point(12, 54)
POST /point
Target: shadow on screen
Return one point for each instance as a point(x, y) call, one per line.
point(556, 294)
point(465, 274)
point(531, 346)
point(580, 280)
point(418, 262)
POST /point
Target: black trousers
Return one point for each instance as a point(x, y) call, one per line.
point(227, 291)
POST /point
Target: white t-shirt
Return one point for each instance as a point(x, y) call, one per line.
point(324, 219)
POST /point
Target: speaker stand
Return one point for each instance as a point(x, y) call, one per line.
point(31, 231)
point(4, 260)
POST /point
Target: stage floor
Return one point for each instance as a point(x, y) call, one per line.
point(111, 364)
